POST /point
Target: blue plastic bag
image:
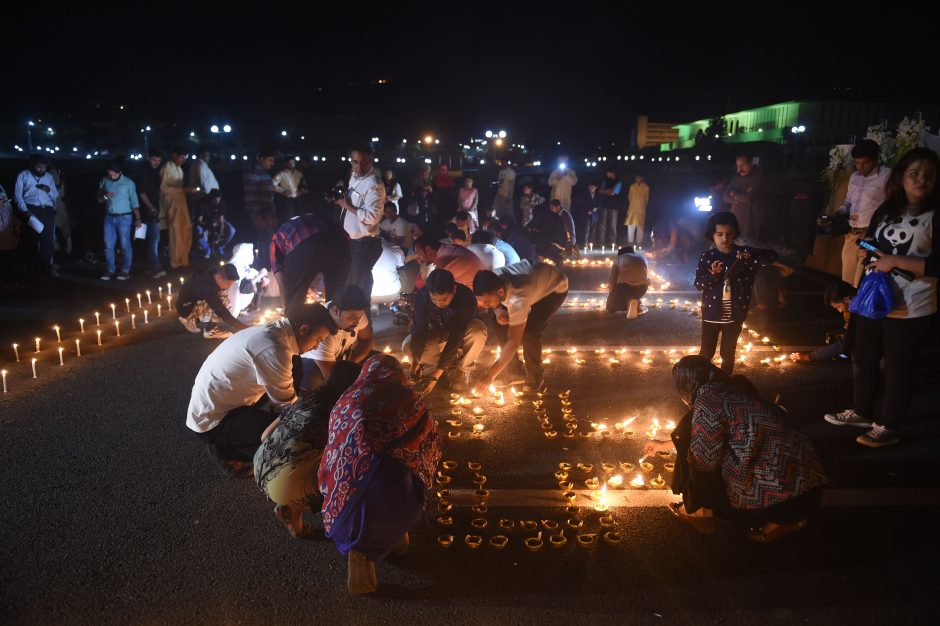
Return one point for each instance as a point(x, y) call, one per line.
point(874, 299)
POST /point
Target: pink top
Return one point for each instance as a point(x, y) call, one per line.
point(460, 262)
point(468, 199)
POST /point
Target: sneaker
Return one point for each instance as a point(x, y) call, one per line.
point(878, 437)
point(848, 417)
point(190, 325)
point(633, 309)
point(459, 381)
point(159, 274)
point(123, 276)
point(534, 383)
point(643, 310)
point(107, 276)
point(215, 333)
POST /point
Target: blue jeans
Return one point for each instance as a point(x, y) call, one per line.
point(116, 226)
point(152, 244)
point(227, 232)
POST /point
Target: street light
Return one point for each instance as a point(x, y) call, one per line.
point(29, 135)
point(227, 128)
point(283, 133)
point(214, 128)
point(489, 134)
point(502, 134)
point(428, 139)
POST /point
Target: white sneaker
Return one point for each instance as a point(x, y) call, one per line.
point(159, 274)
point(878, 437)
point(107, 276)
point(848, 417)
point(190, 325)
point(643, 310)
point(633, 309)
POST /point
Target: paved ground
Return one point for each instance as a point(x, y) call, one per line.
point(113, 512)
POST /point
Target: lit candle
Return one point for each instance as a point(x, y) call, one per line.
point(61, 362)
point(37, 344)
point(148, 297)
point(181, 280)
point(146, 320)
point(99, 336)
point(113, 311)
point(160, 293)
point(4, 373)
point(169, 289)
point(117, 327)
point(97, 318)
point(133, 321)
point(78, 348)
point(34, 367)
point(478, 428)
point(638, 481)
point(169, 303)
point(58, 335)
point(158, 310)
point(81, 323)
point(139, 303)
point(16, 351)
point(127, 304)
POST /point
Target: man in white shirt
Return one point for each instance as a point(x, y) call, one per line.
point(353, 340)
point(524, 297)
point(35, 193)
point(224, 407)
point(287, 189)
point(395, 229)
point(362, 213)
point(502, 203)
point(866, 193)
point(561, 181)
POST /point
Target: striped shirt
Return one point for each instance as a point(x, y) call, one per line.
point(259, 190)
point(290, 235)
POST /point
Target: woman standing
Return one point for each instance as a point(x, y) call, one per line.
point(377, 467)
point(904, 229)
point(392, 189)
point(467, 200)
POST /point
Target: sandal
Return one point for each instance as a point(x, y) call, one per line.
point(760, 536)
point(704, 525)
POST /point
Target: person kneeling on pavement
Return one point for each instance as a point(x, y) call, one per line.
point(837, 295)
point(203, 305)
point(352, 342)
point(288, 460)
point(445, 334)
point(628, 283)
point(247, 379)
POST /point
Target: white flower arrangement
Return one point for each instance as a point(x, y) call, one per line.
point(840, 161)
point(910, 135)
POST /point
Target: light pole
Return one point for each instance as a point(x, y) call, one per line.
point(146, 133)
point(29, 136)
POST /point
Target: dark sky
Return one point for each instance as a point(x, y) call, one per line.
point(577, 70)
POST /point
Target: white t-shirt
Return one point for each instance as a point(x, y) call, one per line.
point(492, 258)
point(240, 370)
point(912, 236)
point(397, 230)
point(527, 284)
point(386, 281)
point(334, 346)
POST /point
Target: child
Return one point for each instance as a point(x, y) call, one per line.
point(837, 295)
point(725, 275)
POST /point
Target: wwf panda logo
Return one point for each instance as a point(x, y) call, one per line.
point(899, 234)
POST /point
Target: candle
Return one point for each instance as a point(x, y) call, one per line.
point(478, 428)
point(58, 335)
point(139, 304)
point(148, 297)
point(61, 362)
point(81, 323)
point(4, 373)
point(97, 318)
point(117, 327)
point(158, 310)
point(127, 304)
point(133, 321)
point(16, 351)
point(113, 311)
point(160, 293)
point(169, 303)
point(99, 336)
point(78, 348)
point(181, 280)
point(169, 289)
point(37, 344)
point(146, 320)
point(34, 367)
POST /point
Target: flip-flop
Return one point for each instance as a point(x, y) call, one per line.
point(704, 525)
point(780, 531)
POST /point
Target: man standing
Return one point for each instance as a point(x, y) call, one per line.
point(561, 181)
point(745, 194)
point(524, 297)
point(35, 194)
point(225, 409)
point(118, 193)
point(589, 214)
point(288, 187)
point(445, 334)
point(502, 204)
point(639, 197)
point(866, 193)
point(459, 261)
point(353, 341)
point(303, 247)
point(173, 203)
point(201, 180)
point(362, 212)
point(610, 208)
point(148, 188)
point(259, 203)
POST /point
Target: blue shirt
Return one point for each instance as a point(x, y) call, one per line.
point(125, 195)
point(508, 251)
point(26, 191)
point(740, 281)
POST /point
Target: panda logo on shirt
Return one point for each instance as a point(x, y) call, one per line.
point(897, 234)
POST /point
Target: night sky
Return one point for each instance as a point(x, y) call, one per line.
point(579, 73)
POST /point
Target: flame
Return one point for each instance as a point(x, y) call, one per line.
point(638, 481)
point(615, 481)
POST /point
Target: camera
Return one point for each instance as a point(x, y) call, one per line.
point(334, 194)
point(833, 225)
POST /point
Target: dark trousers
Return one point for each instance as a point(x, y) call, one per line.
point(608, 228)
point(312, 256)
point(39, 247)
point(541, 312)
point(729, 342)
point(897, 341)
point(363, 254)
point(265, 224)
point(238, 435)
point(620, 296)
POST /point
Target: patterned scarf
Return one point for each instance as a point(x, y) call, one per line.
point(376, 416)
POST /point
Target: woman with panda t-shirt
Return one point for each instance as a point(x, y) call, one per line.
point(904, 229)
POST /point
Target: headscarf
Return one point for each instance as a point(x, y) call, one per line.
point(376, 416)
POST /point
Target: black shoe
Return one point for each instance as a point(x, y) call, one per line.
point(534, 383)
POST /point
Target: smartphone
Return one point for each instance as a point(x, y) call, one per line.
point(867, 245)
